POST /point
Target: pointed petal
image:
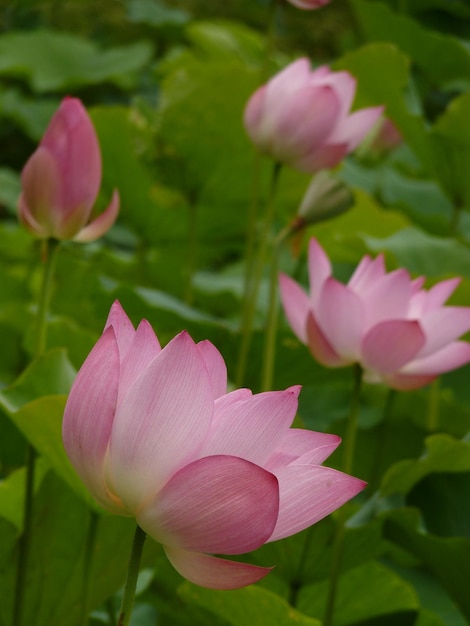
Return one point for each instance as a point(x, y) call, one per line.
point(452, 356)
point(389, 299)
point(218, 504)
point(212, 572)
point(123, 328)
point(320, 347)
point(141, 352)
point(252, 429)
point(216, 367)
point(296, 306)
point(443, 326)
point(319, 269)
point(367, 274)
point(89, 414)
point(304, 446)
point(29, 222)
point(392, 344)
point(353, 128)
point(441, 292)
point(340, 314)
point(234, 397)
point(101, 224)
point(160, 423)
point(310, 493)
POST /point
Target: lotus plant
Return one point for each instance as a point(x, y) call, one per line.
point(61, 180)
point(302, 117)
point(398, 332)
point(153, 434)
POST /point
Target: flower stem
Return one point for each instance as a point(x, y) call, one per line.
point(251, 296)
point(51, 247)
point(132, 574)
point(349, 441)
point(87, 561)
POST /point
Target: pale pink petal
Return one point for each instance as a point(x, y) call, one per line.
point(321, 157)
point(89, 414)
point(212, 572)
point(308, 493)
point(319, 269)
point(392, 344)
point(417, 284)
point(353, 128)
point(340, 315)
point(367, 274)
point(101, 224)
point(452, 356)
point(160, 423)
point(123, 328)
point(344, 84)
point(441, 292)
point(296, 305)
point(407, 382)
point(41, 185)
point(29, 222)
point(217, 504)
point(389, 299)
point(253, 428)
point(216, 367)
point(320, 347)
point(253, 118)
point(308, 446)
point(141, 352)
point(442, 326)
point(229, 399)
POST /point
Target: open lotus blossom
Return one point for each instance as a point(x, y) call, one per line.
point(400, 334)
point(302, 117)
point(61, 180)
point(154, 434)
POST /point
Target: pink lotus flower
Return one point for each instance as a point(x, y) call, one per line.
point(62, 178)
point(302, 117)
point(309, 5)
point(400, 334)
point(154, 434)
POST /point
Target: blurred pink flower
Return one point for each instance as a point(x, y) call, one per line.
point(309, 5)
point(302, 117)
point(62, 178)
point(400, 334)
point(154, 434)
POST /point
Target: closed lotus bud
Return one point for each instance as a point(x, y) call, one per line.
point(326, 197)
point(61, 180)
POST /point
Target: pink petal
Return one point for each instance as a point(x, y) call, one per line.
point(253, 428)
point(320, 347)
point(234, 397)
point(216, 367)
point(253, 118)
point(218, 504)
point(367, 274)
point(442, 326)
point(29, 222)
point(407, 382)
point(141, 352)
point(101, 224)
point(296, 306)
point(452, 356)
point(212, 572)
point(123, 328)
point(319, 269)
point(89, 414)
point(392, 344)
point(340, 314)
point(441, 292)
point(160, 423)
point(353, 128)
point(344, 85)
point(389, 299)
point(321, 157)
point(308, 494)
point(308, 446)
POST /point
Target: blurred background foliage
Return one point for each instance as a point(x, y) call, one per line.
point(166, 84)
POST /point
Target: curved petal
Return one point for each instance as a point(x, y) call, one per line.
point(353, 128)
point(253, 428)
point(160, 423)
point(233, 397)
point(253, 117)
point(407, 382)
point(305, 446)
point(389, 299)
point(212, 572)
point(308, 493)
point(296, 305)
point(89, 414)
point(367, 274)
point(392, 344)
point(218, 504)
point(320, 347)
point(321, 157)
point(216, 367)
point(344, 84)
point(449, 358)
point(340, 314)
point(441, 292)
point(319, 269)
point(141, 352)
point(442, 326)
point(123, 328)
point(29, 222)
point(101, 224)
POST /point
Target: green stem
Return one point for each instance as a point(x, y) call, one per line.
point(376, 476)
point(349, 441)
point(192, 247)
point(251, 297)
point(51, 247)
point(271, 323)
point(87, 561)
point(132, 574)
point(434, 398)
